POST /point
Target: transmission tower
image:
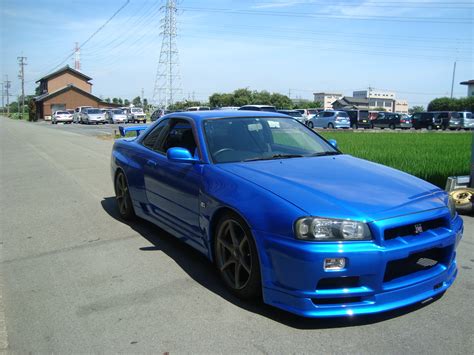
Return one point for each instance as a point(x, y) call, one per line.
point(167, 81)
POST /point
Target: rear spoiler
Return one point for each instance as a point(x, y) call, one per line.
point(123, 130)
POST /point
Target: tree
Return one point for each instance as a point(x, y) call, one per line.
point(32, 110)
point(448, 104)
point(281, 101)
point(107, 100)
point(415, 109)
point(137, 101)
point(145, 104)
point(126, 102)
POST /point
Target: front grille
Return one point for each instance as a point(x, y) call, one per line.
point(338, 282)
point(338, 301)
point(414, 263)
point(414, 228)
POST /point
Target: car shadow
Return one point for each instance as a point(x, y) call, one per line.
point(201, 270)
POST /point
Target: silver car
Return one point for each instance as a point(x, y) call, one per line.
point(61, 116)
point(116, 116)
point(467, 120)
point(93, 115)
point(330, 119)
point(295, 114)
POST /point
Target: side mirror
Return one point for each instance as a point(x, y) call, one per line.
point(333, 142)
point(180, 155)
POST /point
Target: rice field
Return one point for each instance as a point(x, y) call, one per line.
point(432, 156)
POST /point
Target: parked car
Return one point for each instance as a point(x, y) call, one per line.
point(264, 198)
point(309, 113)
point(359, 118)
point(405, 121)
point(295, 114)
point(468, 120)
point(198, 108)
point(136, 115)
point(116, 116)
point(266, 108)
point(227, 108)
point(61, 116)
point(461, 120)
point(428, 120)
point(92, 115)
point(330, 119)
point(77, 118)
point(387, 120)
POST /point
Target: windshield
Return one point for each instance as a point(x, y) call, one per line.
point(262, 138)
point(117, 112)
point(137, 110)
point(94, 111)
point(62, 113)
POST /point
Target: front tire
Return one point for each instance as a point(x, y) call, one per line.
point(122, 196)
point(236, 257)
point(310, 124)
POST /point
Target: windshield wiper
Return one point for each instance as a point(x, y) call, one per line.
point(321, 154)
point(276, 156)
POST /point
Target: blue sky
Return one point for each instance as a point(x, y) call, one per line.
point(289, 46)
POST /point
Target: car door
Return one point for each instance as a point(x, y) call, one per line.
point(172, 189)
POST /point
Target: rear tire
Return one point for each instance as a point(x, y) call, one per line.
point(391, 126)
point(122, 196)
point(330, 125)
point(236, 257)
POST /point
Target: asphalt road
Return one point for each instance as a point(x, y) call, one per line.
point(74, 278)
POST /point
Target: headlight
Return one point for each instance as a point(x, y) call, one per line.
point(452, 207)
point(325, 229)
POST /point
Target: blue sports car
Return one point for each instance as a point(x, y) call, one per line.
point(266, 199)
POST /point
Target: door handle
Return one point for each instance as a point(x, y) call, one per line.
point(151, 163)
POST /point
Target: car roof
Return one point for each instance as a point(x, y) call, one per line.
point(204, 115)
point(257, 106)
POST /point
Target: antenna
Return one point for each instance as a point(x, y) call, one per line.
point(167, 81)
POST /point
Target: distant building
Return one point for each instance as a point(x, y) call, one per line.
point(401, 106)
point(65, 89)
point(470, 87)
point(377, 98)
point(326, 99)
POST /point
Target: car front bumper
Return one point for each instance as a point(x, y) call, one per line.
point(293, 277)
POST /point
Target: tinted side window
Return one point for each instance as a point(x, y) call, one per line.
point(152, 138)
point(180, 135)
point(328, 114)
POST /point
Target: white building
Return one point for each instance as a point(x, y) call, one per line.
point(401, 106)
point(327, 99)
point(377, 98)
point(470, 87)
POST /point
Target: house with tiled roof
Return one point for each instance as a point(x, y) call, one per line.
point(65, 89)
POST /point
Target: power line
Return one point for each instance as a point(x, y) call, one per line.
point(91, 36)
point(316, 15)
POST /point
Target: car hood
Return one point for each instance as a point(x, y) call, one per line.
point(341, 186)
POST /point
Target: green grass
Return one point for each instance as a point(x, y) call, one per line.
point(431, 156)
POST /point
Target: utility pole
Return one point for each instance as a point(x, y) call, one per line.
point(77, 57)
point(21, 76)
point(3, 98)
point(452, 83)
point(7, 88)
point(167, 86)
point(368, 98)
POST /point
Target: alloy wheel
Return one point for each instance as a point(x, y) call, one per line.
point(122, 197)
point(234, 260)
